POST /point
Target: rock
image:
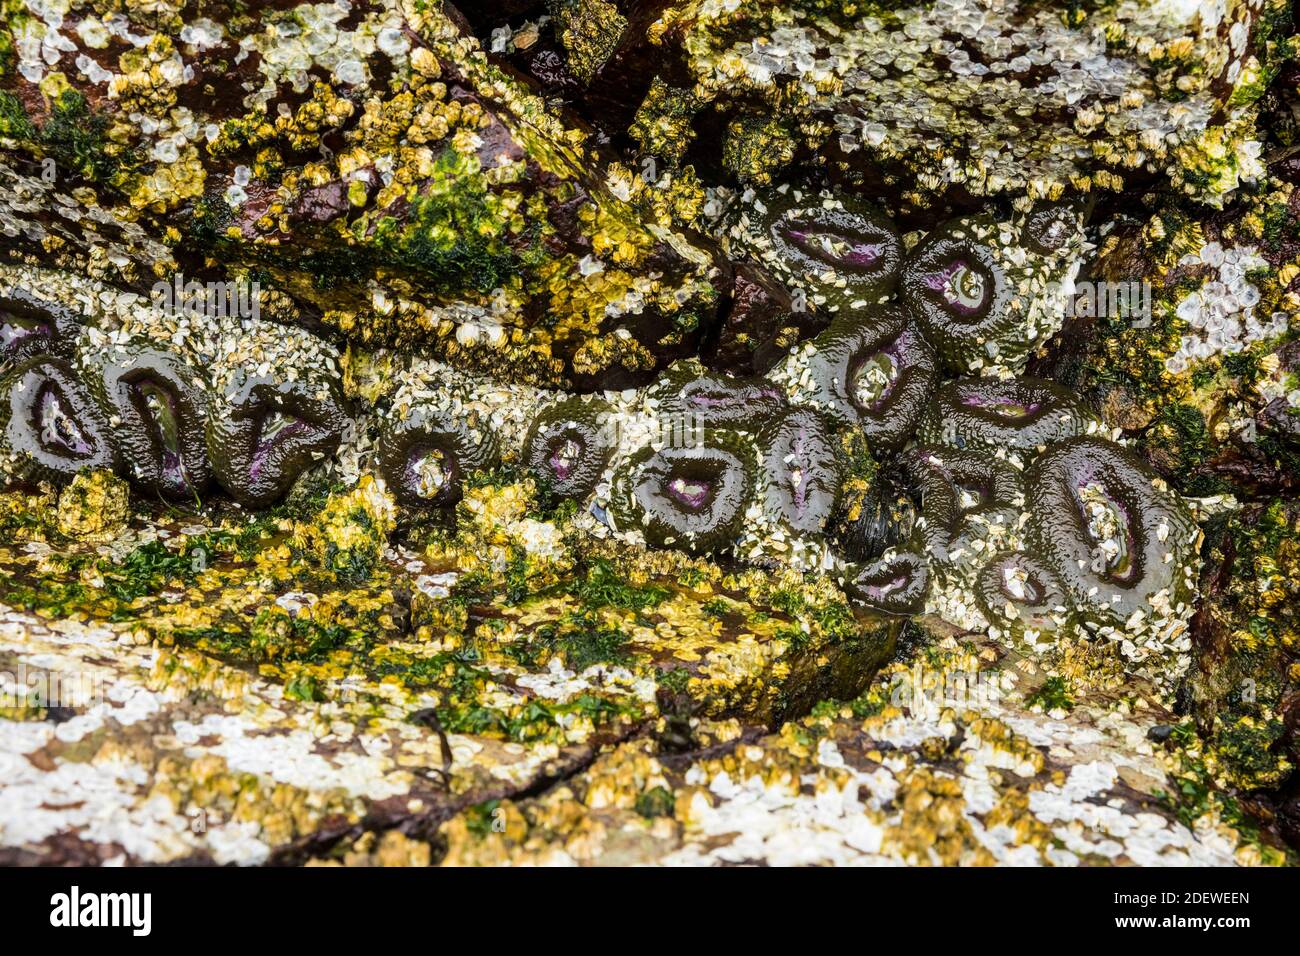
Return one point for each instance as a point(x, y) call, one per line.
point(760, 326)
point(427, 210)
point(950, 760)
point(94, 507)
point(1245, 640)
point(237, 680)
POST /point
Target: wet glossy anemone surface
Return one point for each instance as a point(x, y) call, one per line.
point(897, 582)
point(31, 326)
point(52, 426)
point(954, 487)
point(716, 400)
point(581, 372)
point(1017, 413)
point(691, 498)
point(1019, 592)
point(958, 291)
point(836, 251)
point(1121, 543)
point(426, 456)
point(569, 446)
point(1050, 227)
point(801, 470)
point(871, 369)
point(268, 434)
point(160, 411)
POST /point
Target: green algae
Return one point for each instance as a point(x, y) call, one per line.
point(14, 122)
point(458, 234)
point(1054, 694)
point(1196, 795)
point(75, 137)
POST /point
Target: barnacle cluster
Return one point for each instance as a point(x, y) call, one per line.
point(951, 98)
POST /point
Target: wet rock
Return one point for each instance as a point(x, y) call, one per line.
point(759, 326)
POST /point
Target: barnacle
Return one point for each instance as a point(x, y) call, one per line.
point(691, 498)
point(569, 446)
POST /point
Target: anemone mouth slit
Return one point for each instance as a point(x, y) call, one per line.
point(275, 428)
point(57, 425)
point(887, 585)
point(801, 470)
point(709, 399)
point(51, 424)
point(31, 326)
point(1017, 413)
point(963, 286)
point(426, 454)
point(262, 446)
point(1120, 542)
point(843, 250)
point(1107, 526)
point(1018, 591)
point(717, 400)
point(691, 497)
point(430, 471)
point(569, 446)
point(872, 380)
point(158, 408)
point(16, 330)
point(693, 493)
point(896, 583)
point(1022, 586)
point(874, 371)
point(832, 246)
point(1004, 408)
point(799, 477)
point(566, 455)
